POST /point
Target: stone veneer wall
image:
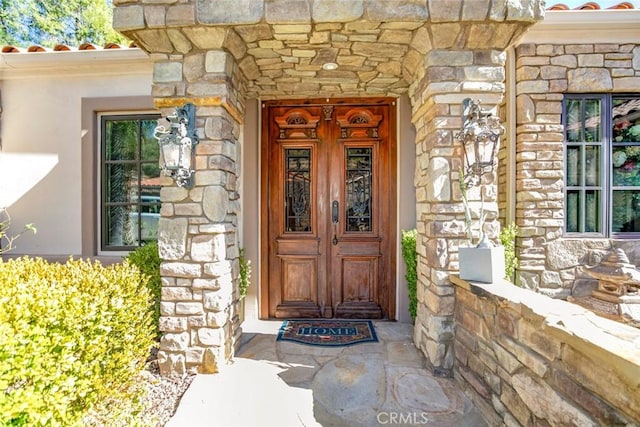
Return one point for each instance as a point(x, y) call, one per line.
point(441, 51)
point(526, 359)
point(198, 239)
point(549, 263)
point(437, 117)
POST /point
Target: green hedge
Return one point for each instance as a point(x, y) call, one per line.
point(409, 238)
point(73, 340)
point(508, 240)
point(147, 259)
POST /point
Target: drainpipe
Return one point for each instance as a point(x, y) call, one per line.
point(510, 214)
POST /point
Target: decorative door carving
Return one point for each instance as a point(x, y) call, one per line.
point(328, 209)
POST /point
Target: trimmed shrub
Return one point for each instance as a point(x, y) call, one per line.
point(245, 274)
point(74, 337)
point(410, 256)
point(147, 259)
point(508, 239)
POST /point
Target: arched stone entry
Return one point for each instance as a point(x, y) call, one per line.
point(218, 54)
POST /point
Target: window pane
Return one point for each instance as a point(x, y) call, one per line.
point(592, 165)
point(121, 139)
point(592, 211)
point(574, 120)
point(585, 171)
point(573, 204)
point(626, 165)
point(130, 183)
point(298, 189)
point(574, 166)
point(121, 182)
point(358, 188)
point(150, 152)
point(626, 120)
point(593, 120)
point(121, 225)
point(626, 211)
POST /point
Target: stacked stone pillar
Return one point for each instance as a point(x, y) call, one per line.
point(197, 233)
point(449, 77)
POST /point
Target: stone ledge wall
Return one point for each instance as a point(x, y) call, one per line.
point(544, 73)
point(526, 359)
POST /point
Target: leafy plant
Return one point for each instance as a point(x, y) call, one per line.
point(508, 239)
point(74, 338)
point(6, 241)
point(245, 274)
point(410, 256)
point(147, 259)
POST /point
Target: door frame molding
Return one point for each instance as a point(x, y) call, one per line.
point(392, 244)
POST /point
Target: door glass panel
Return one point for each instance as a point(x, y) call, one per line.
point(298, 189)
point(359, 163)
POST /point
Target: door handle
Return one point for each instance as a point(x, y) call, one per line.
point(335, 217)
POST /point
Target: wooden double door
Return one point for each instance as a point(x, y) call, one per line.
point(328, 208)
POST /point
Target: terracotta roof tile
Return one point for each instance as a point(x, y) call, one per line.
point(37, 48)
point(61, 48)
point(87, 46)
point(12, 49)
point(625, 5)
point(66, 48)
point(593, 5)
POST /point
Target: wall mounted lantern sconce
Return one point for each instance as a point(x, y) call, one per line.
point(177, 145)
point(480, 138)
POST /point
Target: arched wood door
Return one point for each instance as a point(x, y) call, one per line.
point(328, 209)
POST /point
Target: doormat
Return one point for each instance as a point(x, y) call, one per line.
point(328, 333)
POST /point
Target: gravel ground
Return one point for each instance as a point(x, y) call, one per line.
point(163, 394)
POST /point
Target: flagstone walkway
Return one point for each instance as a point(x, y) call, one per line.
point(284, 384)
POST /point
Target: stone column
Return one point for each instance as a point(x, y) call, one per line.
point(197, 234)
point(449, 77)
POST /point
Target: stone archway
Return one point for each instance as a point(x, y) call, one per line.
point(217, 54)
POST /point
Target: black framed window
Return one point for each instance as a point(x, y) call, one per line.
point(602, 165)
point(130, 181)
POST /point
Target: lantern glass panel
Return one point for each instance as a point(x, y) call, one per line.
point(171, 155)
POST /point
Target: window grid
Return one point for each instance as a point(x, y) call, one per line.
point(584, 165)
point(130, 191)
point(624, 174)
point(609, 205)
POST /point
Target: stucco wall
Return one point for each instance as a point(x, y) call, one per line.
point(42, 114)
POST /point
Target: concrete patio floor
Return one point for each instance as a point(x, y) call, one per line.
point(283, 384)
